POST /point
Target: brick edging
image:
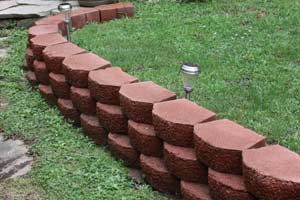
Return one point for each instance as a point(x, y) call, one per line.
point(101, 100)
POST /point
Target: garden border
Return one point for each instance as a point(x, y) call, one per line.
point(180, 146)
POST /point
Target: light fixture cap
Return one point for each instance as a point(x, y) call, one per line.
point(64, 7)
point(190, 69)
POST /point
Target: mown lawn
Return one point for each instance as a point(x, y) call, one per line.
point(67, 165)
point(248, 50)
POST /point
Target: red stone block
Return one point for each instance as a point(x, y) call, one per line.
point(105, 84)
point(125, 9)
point(78, 20)
point(219, 144)
point(41, 30)
point(41, 72)
point(50, 20)
point(143, 138)
point(174, 121)
point(227, 186)
point(137, 100)
point(62, 28)
point(54, 55)
point(30, 76)
point(182, 162)
point(39, 43)
point(121, 148)
point(92, 128)
point(29, 58)
point(83, 15)
point(47, 94)
point(112, 118)
point(272, 173)
point(77, 68)
point(59, 85)
point(67, 110)
point(25, 65)
point(107, 12)
point(158, 176)
point(194, 191)
point(83, 101)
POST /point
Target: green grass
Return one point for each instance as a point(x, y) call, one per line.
point(67, 165)
point(248, 50)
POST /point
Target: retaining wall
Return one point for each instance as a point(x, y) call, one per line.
point(180, 146)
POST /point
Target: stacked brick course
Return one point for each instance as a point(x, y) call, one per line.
point(179, 146)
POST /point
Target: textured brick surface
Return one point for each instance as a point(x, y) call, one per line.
point(39, 43)
point(194, 191)
point(83, 101)
point(29, 58)
point(107, 12)
point(143, 138)
point(67, 110)
point(83, 15)
point(25, 65)
point(54, 55)
point(227, 186)
point(174, 120)
point(182, 162)
point(41, 72)
point(125, 9)
point(112, 118)
point(59, 85)
point(77, 68)
point(137, 100)
point(219, 144)
point(78, 20)
point(272, 173)
point(30, 76)
point(158, 176)
point(121, 148)
point(50, 20)
point(47, 93)
point(41, 30)
point(105, 84)
point(92, 128)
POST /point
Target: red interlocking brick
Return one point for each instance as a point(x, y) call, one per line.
point(29, 58)
point(143, 138)
point(182, 162)
point(54, 55)
point(194, 191)
point(219, 144)
point(107, 12)
point(47, 94)
point(121, 148)
point(158, 176)
point(67, 110)
point(112, 118)
point(77, 68)
point(174, 120)
point(30, 76)
point(105, 84)
point(59, 85)
point(92, 128)
point(272, 172)
point(39, 43)
point(83, 15)
point(125, 9)
point(41, 72)
point(41, 30)
point(227, 186)
point(50, 20)
point(137, 100)
point(83, 101)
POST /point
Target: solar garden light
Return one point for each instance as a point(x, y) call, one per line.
point(66, 9)
point(189, 74)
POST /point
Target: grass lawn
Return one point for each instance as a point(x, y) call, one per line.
point(248, 50)
point(67, 165)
